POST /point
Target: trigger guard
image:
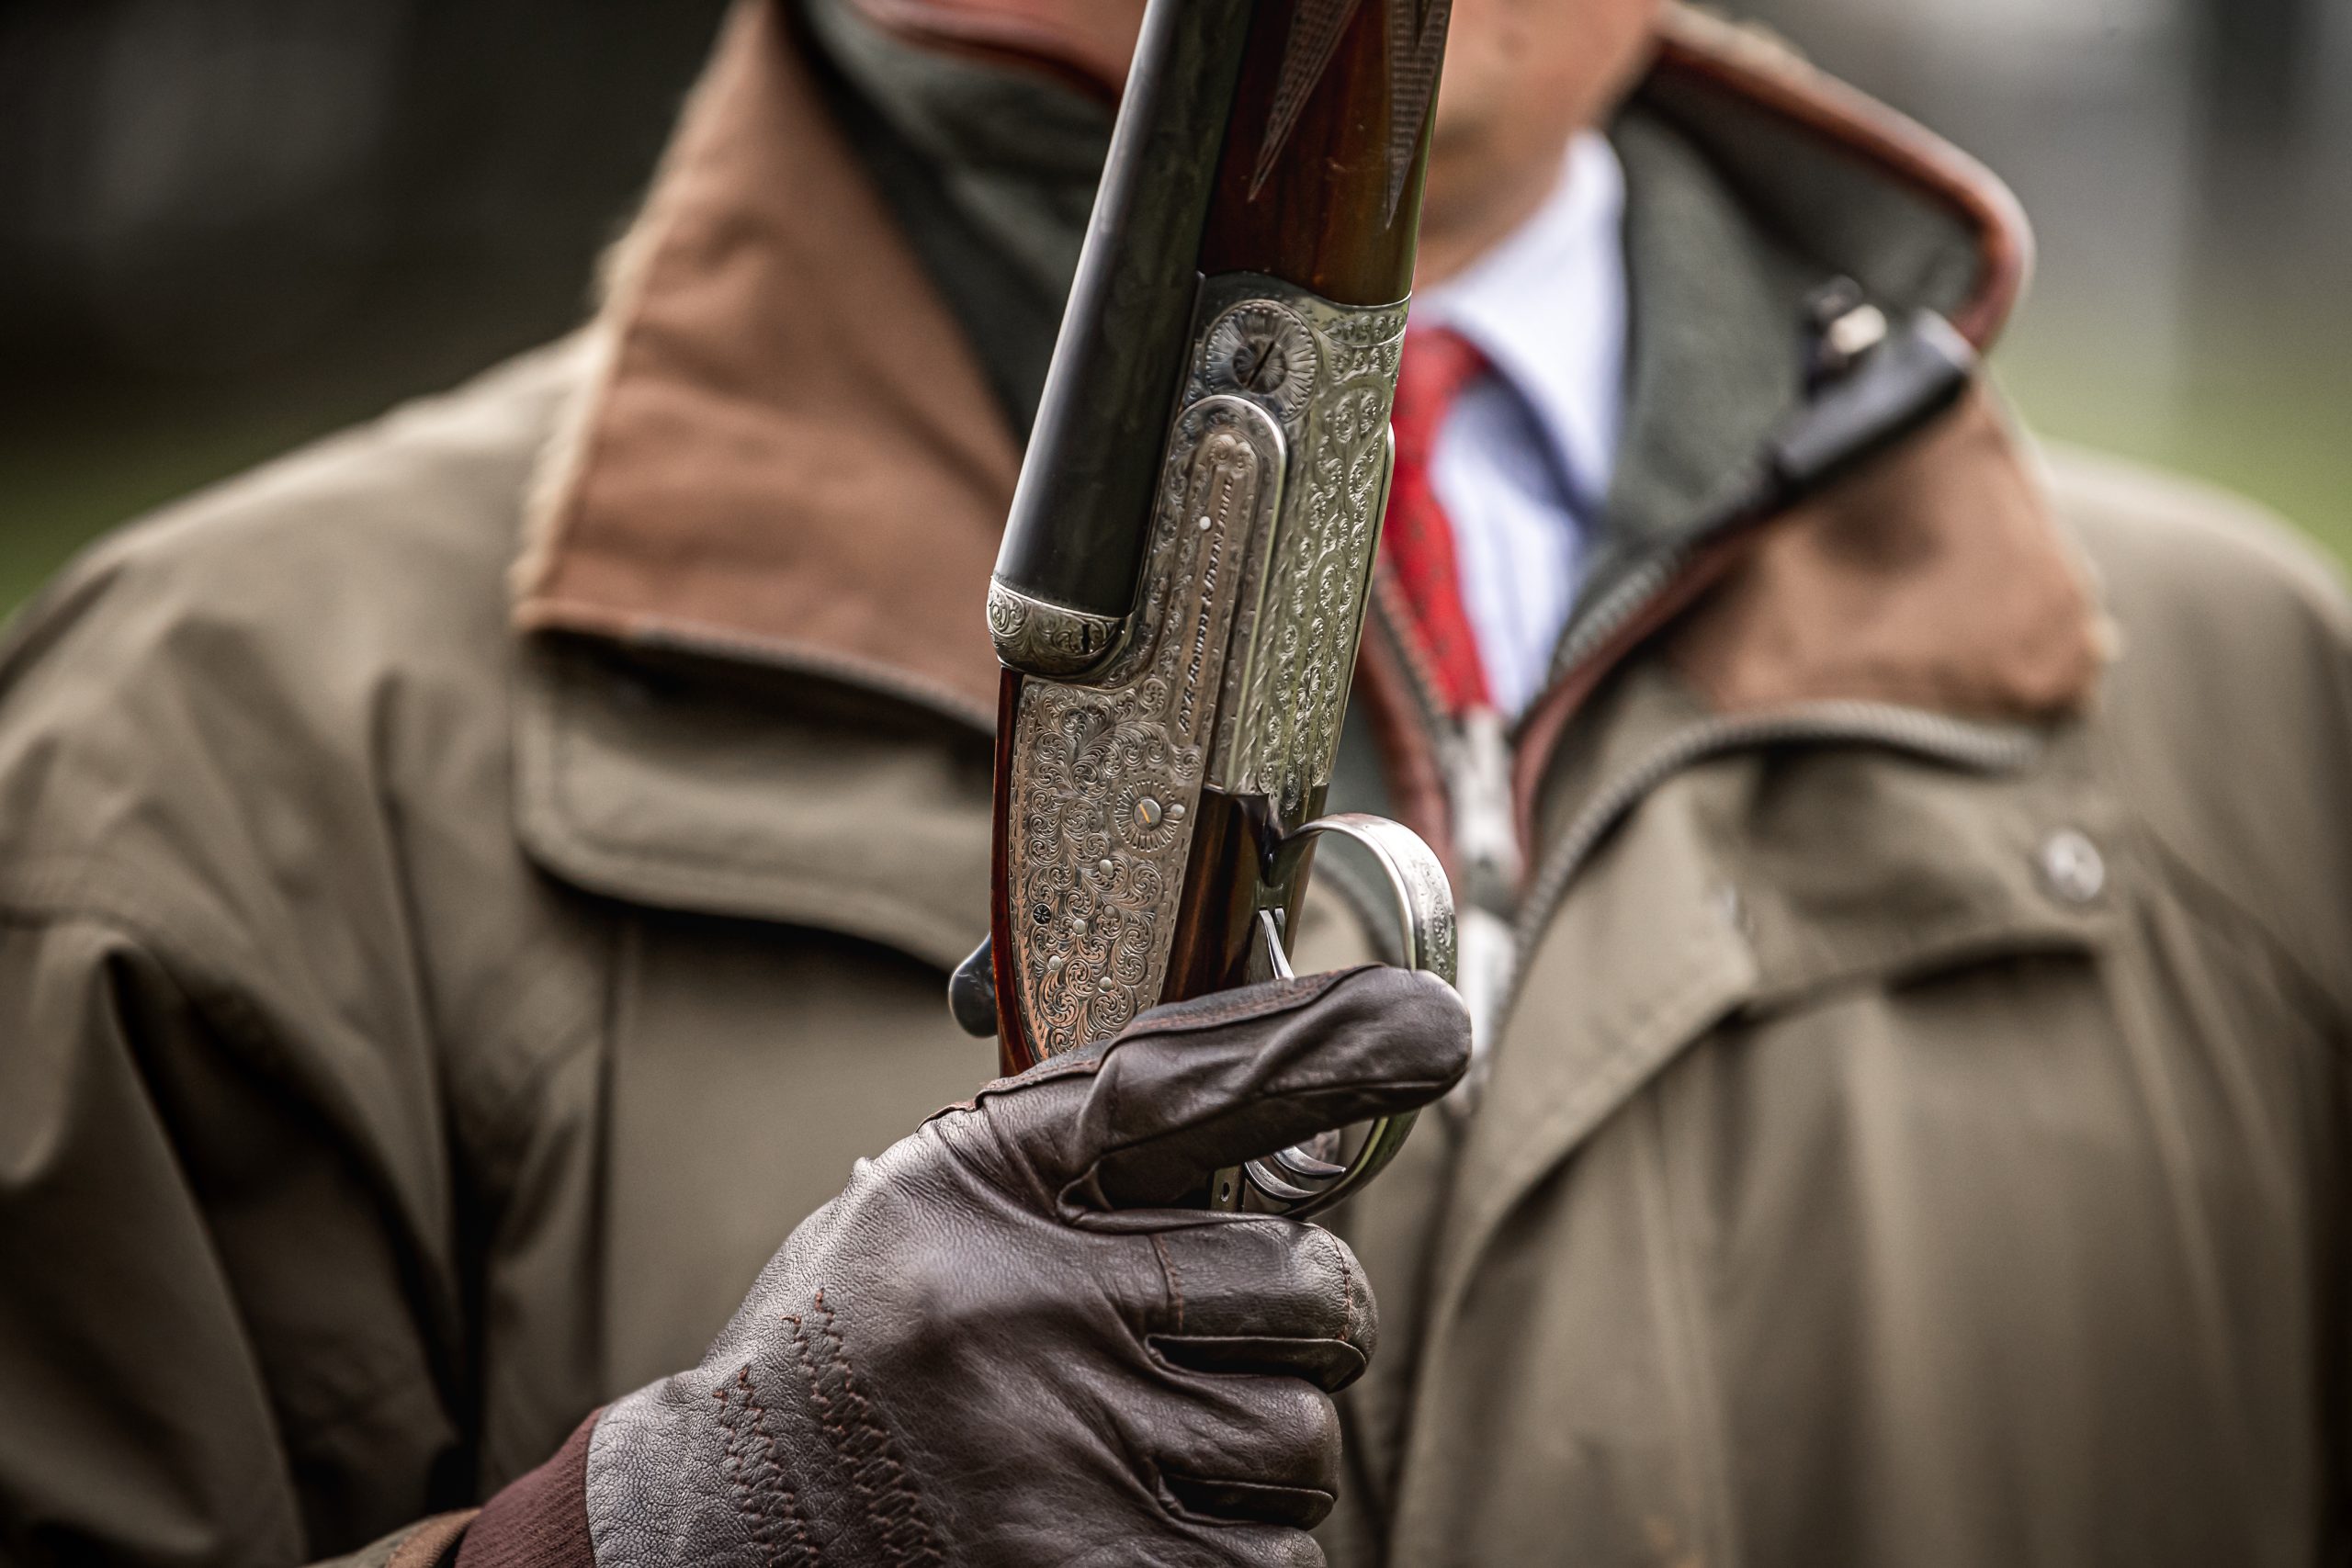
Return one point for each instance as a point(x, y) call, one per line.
point(1424, 910)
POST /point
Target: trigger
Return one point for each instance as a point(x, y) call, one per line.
point(971, 992)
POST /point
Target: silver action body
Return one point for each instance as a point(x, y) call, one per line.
point(1230, 671)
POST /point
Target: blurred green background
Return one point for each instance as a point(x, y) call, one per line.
point(228, 226)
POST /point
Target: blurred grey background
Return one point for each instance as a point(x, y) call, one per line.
point(229, 225)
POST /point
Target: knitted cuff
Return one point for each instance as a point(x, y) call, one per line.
point(541, 1520)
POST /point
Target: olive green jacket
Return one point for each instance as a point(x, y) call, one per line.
point(431, 985)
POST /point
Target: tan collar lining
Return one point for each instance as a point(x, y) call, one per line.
point(790, 453)
point(1934, 581)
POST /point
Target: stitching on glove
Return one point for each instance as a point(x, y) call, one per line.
point(1350, 1307)
point(1082, 1063)
point(864, 1444)
point(772, 1501)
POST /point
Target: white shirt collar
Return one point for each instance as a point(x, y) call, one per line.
point(1547, 306)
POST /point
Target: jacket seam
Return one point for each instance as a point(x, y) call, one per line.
point(197, 967)
point(506, 1125)
point(1864, 960)
point(1701, 1397)
point(229, 1018)
point(2216, 907)
point(15, 914)
point(558, 841)
point(1645, 1043)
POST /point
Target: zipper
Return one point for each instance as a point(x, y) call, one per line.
point(1604, 620)
point(1419, 679)
point(1750, 490)
point(1956, 743)
point(1474, 758)
point(1477, 766)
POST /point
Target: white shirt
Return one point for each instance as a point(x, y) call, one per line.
point(1524, 459)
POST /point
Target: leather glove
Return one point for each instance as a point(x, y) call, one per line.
point(1004, 1345)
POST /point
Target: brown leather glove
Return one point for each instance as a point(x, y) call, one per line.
point(1000, 1345)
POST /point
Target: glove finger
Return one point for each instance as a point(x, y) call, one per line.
point(1207, 1544)
point(1266, 1295)
point(1244, 1449)
point(1199, 1085)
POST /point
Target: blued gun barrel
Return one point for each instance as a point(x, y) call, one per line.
point(1076, 535)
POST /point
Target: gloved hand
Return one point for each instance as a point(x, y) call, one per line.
point(1000, 1345)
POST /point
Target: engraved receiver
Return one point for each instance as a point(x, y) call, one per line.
point(1183, 577)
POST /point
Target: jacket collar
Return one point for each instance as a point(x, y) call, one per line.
point(788, 455)
point(1912, 217)
point(1754, 183)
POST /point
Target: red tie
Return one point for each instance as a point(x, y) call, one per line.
point(1416, 541)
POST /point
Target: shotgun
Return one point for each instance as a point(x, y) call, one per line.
point(1183, 577)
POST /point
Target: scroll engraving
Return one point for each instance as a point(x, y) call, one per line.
point(1109, 777)
point(1296, 640)
point(1042, 638)
point(1237, 659)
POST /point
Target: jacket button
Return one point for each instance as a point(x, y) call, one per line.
point(2071, 867)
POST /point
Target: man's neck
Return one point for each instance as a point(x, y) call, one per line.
point(1457, 231)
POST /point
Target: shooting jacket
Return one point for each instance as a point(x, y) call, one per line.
point(469, 889)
